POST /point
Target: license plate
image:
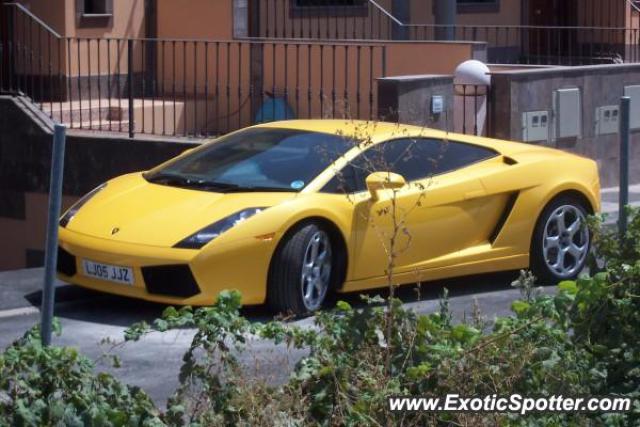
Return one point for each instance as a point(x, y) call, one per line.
point(110, 273)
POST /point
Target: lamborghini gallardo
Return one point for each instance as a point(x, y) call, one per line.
point(291, 212)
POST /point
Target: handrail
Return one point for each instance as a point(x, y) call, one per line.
point(633, 5)
point(386, 13)
point(35, 18)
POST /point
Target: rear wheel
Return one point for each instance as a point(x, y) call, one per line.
point(561, 241)
point(302, 271)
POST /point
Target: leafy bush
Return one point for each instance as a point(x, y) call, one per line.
point(56, 386)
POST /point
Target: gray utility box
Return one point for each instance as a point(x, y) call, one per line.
point(568, 113)
point(607, 119)
point(633, 92)
point(535, 126)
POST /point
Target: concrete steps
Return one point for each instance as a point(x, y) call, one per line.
point(153, 117)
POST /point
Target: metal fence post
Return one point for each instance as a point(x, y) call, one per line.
point(51, 250)
point(130, 84)
point(625, 135)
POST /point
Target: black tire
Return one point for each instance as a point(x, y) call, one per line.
point(539, 265)
point(284, 286)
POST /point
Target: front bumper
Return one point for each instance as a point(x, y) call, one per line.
point(162, 274)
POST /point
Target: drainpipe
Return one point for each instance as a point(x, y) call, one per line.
point(401, 9)
point(445, 14)
point(4, 40)
point(151, 60)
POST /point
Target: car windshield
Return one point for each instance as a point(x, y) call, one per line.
point(257, 159)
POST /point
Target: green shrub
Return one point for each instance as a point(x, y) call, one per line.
point(56, 386)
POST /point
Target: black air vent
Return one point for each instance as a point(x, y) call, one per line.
point(66, 263)
point(509, 161)
point(511, 202)
point(170, 280)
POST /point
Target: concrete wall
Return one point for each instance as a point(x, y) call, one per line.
point(515, 92)
point(24, 176)
point(407, 99)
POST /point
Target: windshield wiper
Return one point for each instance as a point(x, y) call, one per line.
point(225, 187)
point(182, 181)
point(234, 188)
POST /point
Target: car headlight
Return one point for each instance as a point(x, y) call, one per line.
point(73, 210)
point(210, 232)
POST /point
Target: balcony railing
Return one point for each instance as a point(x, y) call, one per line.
point(543, 45)
point(510, 44)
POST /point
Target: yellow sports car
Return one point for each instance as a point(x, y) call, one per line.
point(288, 212)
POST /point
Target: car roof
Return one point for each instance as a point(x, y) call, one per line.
point(379, 131)
point(375, 130)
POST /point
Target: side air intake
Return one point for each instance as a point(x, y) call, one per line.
point(511, 202)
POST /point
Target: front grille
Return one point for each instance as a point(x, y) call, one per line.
point(66, 263)
point(171, 280)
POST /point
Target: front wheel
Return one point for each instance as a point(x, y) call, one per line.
point(301, 272)
point(561, 241)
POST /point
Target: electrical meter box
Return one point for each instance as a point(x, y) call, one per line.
point(437, 104)
point(535, 126)
point(568, 113)
point(607, 119)
point(633, 92)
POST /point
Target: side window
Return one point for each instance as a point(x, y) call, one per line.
point(413, 158)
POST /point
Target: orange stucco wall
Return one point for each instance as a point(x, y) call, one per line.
point(202, 19)
point(50, 11)
point(127, 22)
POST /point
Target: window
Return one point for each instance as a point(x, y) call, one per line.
point(328, 3)
point(478, 6)
point(303, 8)
point(414, 159)
point(94, 13)
point(96, 7)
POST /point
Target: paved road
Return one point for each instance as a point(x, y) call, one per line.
point(610, 201)
point(88, 317)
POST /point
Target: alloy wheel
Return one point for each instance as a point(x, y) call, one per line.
point(316, 270)
point(565, 241)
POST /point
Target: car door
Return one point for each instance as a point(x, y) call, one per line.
point(442, 210)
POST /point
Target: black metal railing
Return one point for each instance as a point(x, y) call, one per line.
point(543, 45)
point(179, 87)
point(322, 19)
point(31, 54)
point(599, 40)
point(472, 109)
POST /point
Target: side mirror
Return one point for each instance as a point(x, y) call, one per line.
point(384, 181)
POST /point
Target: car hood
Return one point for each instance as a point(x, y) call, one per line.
point(130, 209)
